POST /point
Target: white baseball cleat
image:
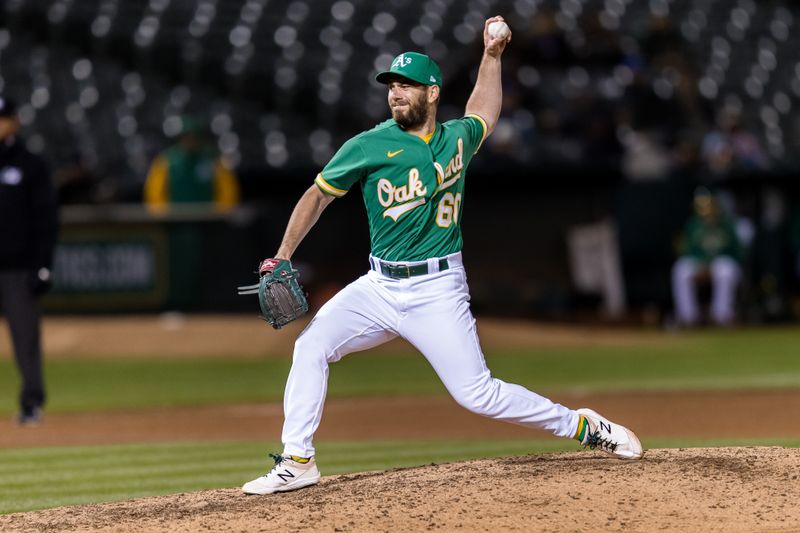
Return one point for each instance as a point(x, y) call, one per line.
point(286, 475)
point(610, 437)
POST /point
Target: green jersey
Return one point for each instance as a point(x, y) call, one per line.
point(413, 190)
point(191, 175)
point(707, 240)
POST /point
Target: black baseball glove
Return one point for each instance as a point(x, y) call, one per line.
point(279, 294)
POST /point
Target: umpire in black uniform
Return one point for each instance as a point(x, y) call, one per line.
point(28, 228)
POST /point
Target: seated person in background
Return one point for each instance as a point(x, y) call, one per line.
point(191, 171)
point(711, 251)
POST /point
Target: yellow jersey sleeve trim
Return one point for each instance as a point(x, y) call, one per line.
point(485, 129)
point(327, 187)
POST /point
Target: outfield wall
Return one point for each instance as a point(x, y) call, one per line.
point(121, 258)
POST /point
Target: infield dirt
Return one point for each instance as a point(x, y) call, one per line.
point(686, 490)
point(177, 335)
point(711, 489)
point(653, 415)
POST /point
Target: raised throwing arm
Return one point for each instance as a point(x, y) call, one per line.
point(487, 95)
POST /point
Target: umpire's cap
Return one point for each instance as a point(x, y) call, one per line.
point(414, 66)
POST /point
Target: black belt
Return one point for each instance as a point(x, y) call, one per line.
point(406, 271)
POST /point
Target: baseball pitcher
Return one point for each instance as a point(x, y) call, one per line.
point(412, 172)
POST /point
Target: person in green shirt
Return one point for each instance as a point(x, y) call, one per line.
point(190, 172)
point(411, 170)
point(710, 252)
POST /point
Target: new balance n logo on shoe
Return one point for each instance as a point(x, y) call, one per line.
point(285, 476)
point(609, 437)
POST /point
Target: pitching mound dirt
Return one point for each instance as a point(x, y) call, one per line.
point(710, 489)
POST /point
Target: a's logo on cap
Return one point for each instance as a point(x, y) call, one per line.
point(433, 80)
point(401, 61)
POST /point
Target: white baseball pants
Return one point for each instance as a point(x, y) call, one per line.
point(431, 312)
point(725, 275)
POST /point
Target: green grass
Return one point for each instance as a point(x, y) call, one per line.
point(764, 358)
point(92, 474)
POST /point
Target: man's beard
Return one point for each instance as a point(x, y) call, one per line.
point(414, 117)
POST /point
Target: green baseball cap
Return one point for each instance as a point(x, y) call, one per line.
point(414, 66)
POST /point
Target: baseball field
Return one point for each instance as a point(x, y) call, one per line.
point(154, 422)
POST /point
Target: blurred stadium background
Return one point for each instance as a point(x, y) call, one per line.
point(611, 110)
point(612, 119)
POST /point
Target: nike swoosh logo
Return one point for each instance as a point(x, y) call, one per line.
point(395, 212)
point(392, 154)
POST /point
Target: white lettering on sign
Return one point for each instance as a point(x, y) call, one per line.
point(96, 267)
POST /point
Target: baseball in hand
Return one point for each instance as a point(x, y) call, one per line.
point(499, 30)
